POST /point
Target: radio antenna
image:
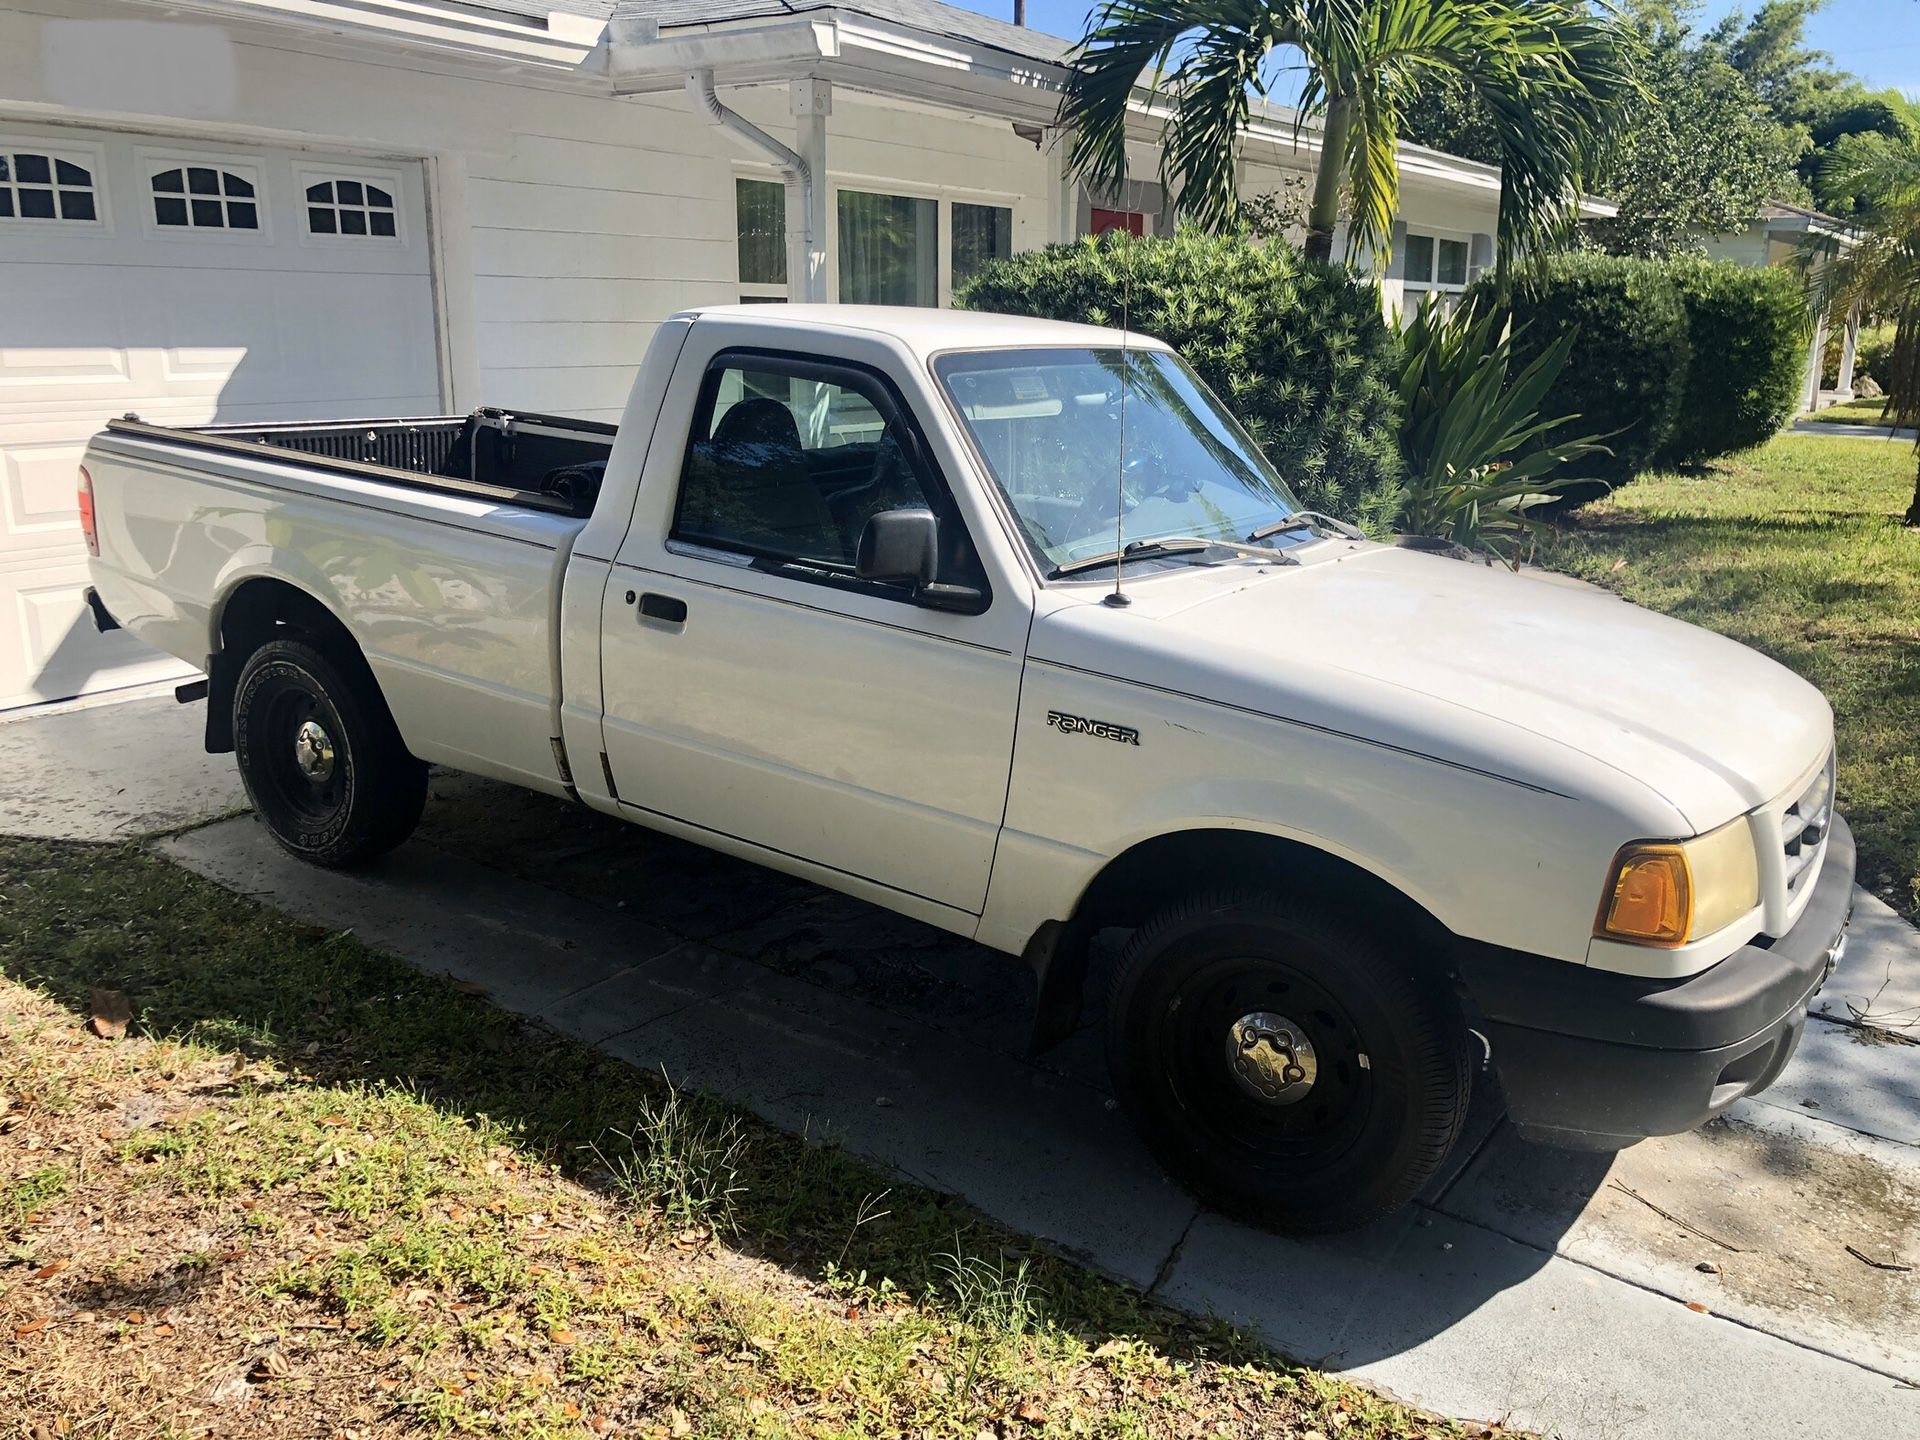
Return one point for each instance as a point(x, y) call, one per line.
point(1119, 598)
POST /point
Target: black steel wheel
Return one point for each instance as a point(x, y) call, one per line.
point(1283, 1064)
point(322, 761)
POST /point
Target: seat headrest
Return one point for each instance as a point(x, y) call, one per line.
point(758, 422)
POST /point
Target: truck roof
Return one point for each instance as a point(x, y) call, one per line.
point(928, 331)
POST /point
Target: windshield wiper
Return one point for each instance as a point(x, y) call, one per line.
point(1135, 550)
point(1314, 520)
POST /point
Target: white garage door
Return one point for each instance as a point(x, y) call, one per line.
point(189, 283)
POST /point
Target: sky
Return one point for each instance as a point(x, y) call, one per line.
point(1878, 40)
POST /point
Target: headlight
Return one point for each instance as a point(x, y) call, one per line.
point(1668, 893)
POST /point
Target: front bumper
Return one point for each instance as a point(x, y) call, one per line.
point(1594, 1060)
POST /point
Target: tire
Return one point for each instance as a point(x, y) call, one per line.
point(346, 792)
point(1208, 1005)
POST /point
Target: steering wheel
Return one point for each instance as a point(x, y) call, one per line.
point(1141, 478)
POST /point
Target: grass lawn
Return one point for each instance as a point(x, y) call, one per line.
point(1796, 549)
point(1853, 412)
point(316, 1193)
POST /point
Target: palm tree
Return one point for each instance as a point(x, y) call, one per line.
point(1881, 274)
point(1552, 75)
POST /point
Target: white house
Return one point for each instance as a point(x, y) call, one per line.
point(239, 209)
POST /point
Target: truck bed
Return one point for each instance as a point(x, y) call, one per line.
point(541, 462)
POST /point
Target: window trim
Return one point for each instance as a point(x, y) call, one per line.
point(391, 181)
point(251, 168)
point(886, 398)
point(91, 158)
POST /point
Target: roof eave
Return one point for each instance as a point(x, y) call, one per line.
point(559, 41)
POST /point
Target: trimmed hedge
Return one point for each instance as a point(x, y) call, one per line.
point(1298, 351)
point(1749, 328)
point(1624, 377)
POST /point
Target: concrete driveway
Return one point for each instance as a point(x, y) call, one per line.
point(1722, 1282)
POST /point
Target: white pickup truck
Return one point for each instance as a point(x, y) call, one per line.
point(1006, 625)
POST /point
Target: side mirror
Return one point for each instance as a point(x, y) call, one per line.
point(897, 545)
point(903, 546)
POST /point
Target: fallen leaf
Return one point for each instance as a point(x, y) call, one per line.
point(1698, 1308)
point(32, 1327)
point(332, 1120)
point(109, 1014)
point(270, 1366)
point(678, 1423)
point(1031, 1413)
point(600, 1425)
point(163, 1330)
point(47, 1272)
point(1707, 1267)
point(560, 1337)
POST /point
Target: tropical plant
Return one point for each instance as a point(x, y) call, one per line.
point(1552, 75)
point(1880, 275)
point(1479, 455)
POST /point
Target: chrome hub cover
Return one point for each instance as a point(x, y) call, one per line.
point(313, 751)
point(1271, 1058)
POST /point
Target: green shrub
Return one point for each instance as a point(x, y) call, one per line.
point(1623, 379)
point(1298, 351)
point(1748, 328)
point(1874, 356)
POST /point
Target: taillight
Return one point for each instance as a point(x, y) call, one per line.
point(87, 526)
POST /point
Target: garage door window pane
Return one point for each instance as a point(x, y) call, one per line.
point(44, 187)
point(204, 197)
point(889, 249)
point(351, 207)
point(981, 233)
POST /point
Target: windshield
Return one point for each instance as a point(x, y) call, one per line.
point(1048, 424)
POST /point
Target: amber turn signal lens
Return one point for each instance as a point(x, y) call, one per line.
point(1652, 897)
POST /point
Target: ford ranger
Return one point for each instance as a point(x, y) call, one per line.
point(1007, 625)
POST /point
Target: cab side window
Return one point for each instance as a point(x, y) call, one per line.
point(789, 460)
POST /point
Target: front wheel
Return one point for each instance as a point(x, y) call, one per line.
point(322, 762)
point(1286, 1066)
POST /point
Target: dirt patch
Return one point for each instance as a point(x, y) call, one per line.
point(1789, 1210)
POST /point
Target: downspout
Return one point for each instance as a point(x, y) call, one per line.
point(793, 166)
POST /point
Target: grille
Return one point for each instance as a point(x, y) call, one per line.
point(1804, 826)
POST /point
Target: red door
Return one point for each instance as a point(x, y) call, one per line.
point(1131, 221)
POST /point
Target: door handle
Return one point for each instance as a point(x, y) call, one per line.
point(663, 607)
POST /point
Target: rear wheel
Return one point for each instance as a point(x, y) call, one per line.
point(1286, 1066)
point(322, 761)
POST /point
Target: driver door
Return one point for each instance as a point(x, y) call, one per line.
point(754, 687)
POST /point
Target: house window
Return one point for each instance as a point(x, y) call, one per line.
point(351, 207)
point(760, 213)
point(202, 197)
point(889, 249)
point(1434, 265)
point(44, 187)
point(1103, 220)
point(981, 233)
